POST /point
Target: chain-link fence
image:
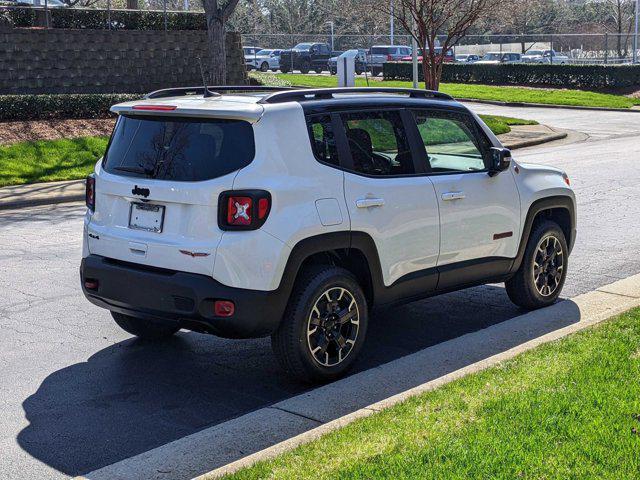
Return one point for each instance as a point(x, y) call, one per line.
point(574, 48)
point(596, 48)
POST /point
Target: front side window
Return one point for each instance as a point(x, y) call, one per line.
point(378, 143)
point(450, 142)
point(178, 148)
point(323, 142)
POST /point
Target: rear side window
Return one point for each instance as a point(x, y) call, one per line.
point(323, 142)
point(180, 149)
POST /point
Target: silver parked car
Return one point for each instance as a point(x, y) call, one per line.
point(500, 58)
point(544, 56)
point(380, 54)
point(467, 58)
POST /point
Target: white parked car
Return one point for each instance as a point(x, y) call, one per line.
point(545, 56)
point(467, 58)
point(294, 213)
point(41, 3)
point(266, 59)
point(250, 54)
point(500, 57)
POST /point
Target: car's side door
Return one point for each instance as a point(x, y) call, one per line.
point(385, 196)
point(479, 213)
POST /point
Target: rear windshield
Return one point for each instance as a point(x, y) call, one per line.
point(182, 149)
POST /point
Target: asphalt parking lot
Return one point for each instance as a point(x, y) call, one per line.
point(77, 393)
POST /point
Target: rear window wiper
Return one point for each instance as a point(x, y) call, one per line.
point(132, 170)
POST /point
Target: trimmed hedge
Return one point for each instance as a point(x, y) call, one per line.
point(585, 77)
point(99, 19)
point(43, 107)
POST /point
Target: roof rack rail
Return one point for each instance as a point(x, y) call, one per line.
point(301, 94)
point(184, 91)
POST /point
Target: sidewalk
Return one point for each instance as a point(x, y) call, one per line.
point(20, 196)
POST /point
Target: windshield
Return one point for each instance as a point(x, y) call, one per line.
point(303, 46)
point(265, 52)
point(176, 148)
point(534, 52)
point(491, 56)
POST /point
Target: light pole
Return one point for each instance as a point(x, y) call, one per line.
point(414, 57)
point(635, 36)
point(391, 21)
point(331, 24)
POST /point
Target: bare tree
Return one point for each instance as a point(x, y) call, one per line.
point(620, 16)
point(217, 13)
point(428, 21)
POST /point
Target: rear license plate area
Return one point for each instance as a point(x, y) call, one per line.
point(146, 216)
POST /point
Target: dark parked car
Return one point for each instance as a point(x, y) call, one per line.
point(305, 57)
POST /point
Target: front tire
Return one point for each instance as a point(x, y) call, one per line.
point(540, 278)
point(145, 329)
point(264, 67)
point(324, 325)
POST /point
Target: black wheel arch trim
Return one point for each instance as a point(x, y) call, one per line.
point(556, 202)
point(412, 286)
point(430, 281)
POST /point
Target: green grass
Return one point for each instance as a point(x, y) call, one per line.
point(566, 410)
point(49, 160)
point(487, 92)
point(499, 124)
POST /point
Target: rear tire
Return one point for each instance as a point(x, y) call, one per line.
point(284, 69)
point(145, 329)
point(324, 326)
point(540, 278)
point(264, 67)
point(305, 67)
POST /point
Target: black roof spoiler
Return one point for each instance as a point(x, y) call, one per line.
point(185, 91)
point(301, 94)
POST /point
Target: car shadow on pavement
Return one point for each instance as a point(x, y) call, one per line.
point(134, 396)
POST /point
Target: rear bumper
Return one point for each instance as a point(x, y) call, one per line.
point(179, 297)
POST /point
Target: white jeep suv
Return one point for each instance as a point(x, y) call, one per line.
point(293, 213)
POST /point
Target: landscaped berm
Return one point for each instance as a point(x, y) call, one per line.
point(566, 410)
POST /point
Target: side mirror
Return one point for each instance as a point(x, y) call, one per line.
point(499, 161)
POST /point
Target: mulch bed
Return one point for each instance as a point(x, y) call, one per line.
point(13, 132)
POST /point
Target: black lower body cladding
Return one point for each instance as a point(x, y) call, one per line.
point(181, 298)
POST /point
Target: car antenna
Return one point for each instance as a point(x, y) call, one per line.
point(207, 93)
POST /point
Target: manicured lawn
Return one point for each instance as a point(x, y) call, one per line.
point(487, 92)
point(49, 160)
point(566, 410)
point(499, 124)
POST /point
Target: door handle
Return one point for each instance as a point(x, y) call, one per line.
point(453, 196)
point(369, 202)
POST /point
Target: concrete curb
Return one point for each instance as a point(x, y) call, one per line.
point(49, 193)
point(270, 431)
point(535, 141)
point(545, 105)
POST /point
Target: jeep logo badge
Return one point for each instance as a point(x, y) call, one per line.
point(143, 192)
